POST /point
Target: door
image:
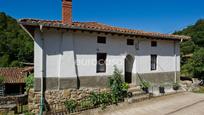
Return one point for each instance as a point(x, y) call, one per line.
point(128, 68)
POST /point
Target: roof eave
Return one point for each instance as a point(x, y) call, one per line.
point(65, 26)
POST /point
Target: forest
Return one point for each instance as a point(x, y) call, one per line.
point(192, 51)
point(16, 47)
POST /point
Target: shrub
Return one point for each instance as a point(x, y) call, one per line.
point(71, 105)
point(118, 92)
point(29, 81)
point(87, 103)
point(145, 84)
point(1, 80)
point(116, 84)
point(176, 86)
point(100, 99)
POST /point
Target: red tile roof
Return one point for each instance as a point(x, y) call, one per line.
point(94, 26)
point(14, 75)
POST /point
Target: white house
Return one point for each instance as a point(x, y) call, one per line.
point(83, 54)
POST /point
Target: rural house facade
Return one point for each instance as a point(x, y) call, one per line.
point(83, 54)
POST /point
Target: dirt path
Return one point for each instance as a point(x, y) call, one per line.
point(178, 104)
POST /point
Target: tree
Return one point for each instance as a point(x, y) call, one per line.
point(198, 64)
point(193, 66)
point(15, 46)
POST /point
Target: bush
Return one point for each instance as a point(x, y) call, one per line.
point(116, 84)
point(100, 99)
point(29, 81)
point(1, 80)
point(87, 103)
point(145, 84)
point(71, 105)
point(176, 86)
point(118, 92)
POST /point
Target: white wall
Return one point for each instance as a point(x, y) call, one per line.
point(62, 48)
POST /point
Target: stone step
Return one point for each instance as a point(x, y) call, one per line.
point(132, 85)
point(138, 98)
point(134, 89)
point(138, 93)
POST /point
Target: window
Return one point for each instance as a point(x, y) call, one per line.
point(153, 62)
point(154, 44)
point(101, 62)
point(101, 40)
point(130, 42)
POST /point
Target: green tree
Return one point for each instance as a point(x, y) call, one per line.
point(198, 64)
point(15, 46)
point(191, 66)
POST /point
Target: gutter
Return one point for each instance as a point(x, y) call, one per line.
point(26, 31)
point(42, 91)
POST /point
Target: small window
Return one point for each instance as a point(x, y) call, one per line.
point(101, 40)
point(101, 62)
point(153, 62)
point(130, 42)
point(154, 44)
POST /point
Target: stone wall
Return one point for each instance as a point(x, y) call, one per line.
point(58, 97)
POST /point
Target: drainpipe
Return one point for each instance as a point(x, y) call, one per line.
point(175, 56)
point(41, 97)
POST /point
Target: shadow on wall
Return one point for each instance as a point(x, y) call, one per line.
point(86, 44)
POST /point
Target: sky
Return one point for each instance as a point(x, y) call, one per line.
point(164, 16)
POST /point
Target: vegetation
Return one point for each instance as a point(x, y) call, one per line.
point(101, 99)
point(199, 90)
point(192, 51)
point(117, 85)
point(1, 79)
point(86, 103)
point(176, 86)
point(15, 46)
point(29, 81)
point(145, 84)
point(118, 93)
point(71, 105)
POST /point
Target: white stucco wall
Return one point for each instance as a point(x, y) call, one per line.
point(61, 49)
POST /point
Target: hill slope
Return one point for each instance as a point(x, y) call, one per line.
point(15, 46)
point(192, 51)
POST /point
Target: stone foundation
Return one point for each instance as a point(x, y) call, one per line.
point(58, 97)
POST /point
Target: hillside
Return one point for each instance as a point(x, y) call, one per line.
point(15, 45)
point(192, 51)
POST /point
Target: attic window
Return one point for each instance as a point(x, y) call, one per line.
point(101, 40)
point(130, 42)
point(154, 44)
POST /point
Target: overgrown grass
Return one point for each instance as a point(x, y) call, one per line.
point(199, 90)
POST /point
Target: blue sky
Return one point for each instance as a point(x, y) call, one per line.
point(165, 16)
